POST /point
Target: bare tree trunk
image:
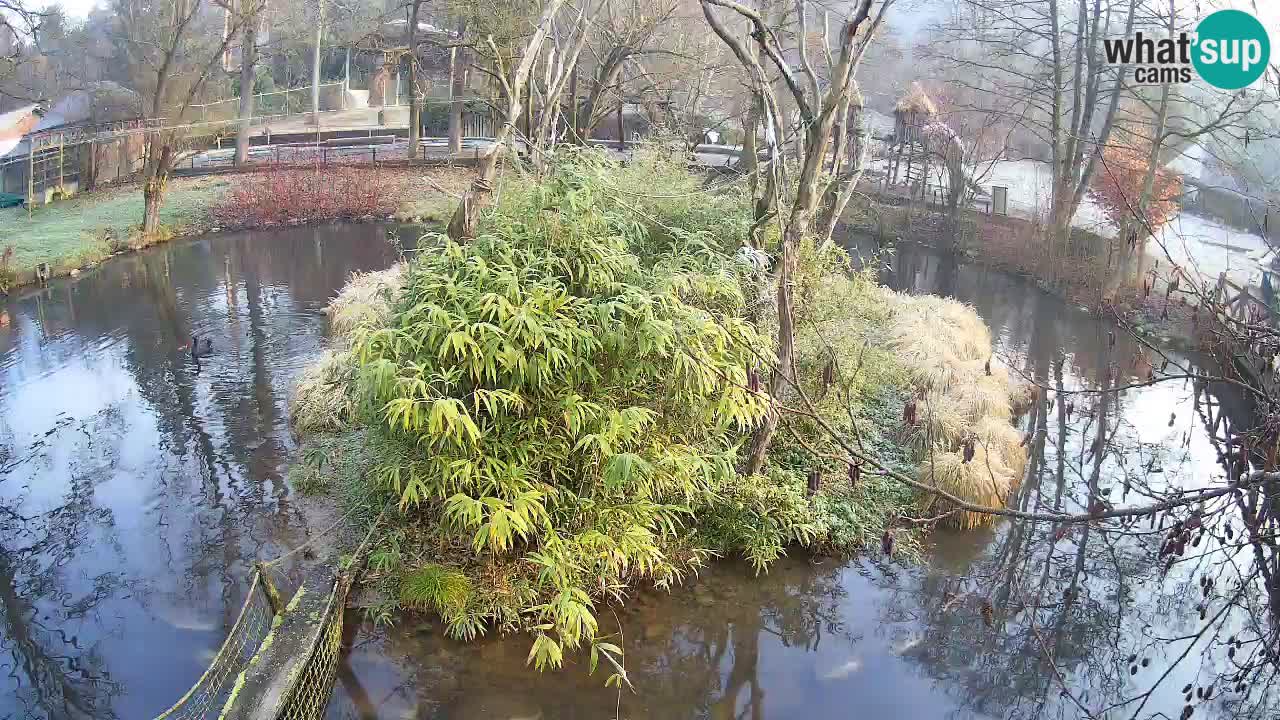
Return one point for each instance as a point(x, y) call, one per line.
point(818, 112)
point(750, 161)
point(593, 111)
point(1133, 232)
point(748, 157)
point(796, 229)
point(248, 76)
point(154, 185)
point(560, 71)
point(465, 218)
point(1072, 173)
point(315, 64)
point(457, 87)
point(841, 190)
point(415, 104)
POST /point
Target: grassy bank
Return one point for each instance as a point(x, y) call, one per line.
point(556, 411)
point(86, 229)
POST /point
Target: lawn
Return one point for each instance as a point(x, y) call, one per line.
point(71, 233)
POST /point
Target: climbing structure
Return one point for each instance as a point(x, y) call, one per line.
point(911, 115)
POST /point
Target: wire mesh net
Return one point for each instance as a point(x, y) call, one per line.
point(309, 696)
point(306, 695)
point(207, 696)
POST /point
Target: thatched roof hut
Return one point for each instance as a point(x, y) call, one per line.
point(913, 111)
point(916, 101)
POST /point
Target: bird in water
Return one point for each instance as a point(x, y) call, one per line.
point(201, 348)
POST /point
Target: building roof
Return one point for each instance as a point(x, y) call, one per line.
point(103, 101)
point(916, 100)
point(14, 124)
point(100, 102)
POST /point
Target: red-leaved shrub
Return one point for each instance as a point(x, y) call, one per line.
point(301, 195)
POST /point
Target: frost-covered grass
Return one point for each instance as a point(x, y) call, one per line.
point(1199, 244)
point(1208, 247)
point(72, 232)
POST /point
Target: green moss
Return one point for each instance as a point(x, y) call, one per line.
point(235, 693)
point(297, 598)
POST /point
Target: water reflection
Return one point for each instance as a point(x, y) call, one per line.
point(1018, 621)
point(136, 484)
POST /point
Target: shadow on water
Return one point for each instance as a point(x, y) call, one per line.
point(135, 484)
point(967, 636)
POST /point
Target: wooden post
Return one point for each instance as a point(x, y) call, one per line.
point(622, 129)
point(31, 178)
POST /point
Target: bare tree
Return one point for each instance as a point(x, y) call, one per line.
point(818, 109)
point(458, 64)
point(628, 29)
point(547, 87)
point(1042, 65)
point(415, 103)
point(174, 51)
point(1165, 120)
point(511, 82)
point(22, 29)
point(849, 154)
point(250, 12)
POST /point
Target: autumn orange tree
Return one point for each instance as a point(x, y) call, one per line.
point(1138, 194)
point(1119, 190)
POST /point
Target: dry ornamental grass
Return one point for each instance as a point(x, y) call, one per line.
point(960, 425)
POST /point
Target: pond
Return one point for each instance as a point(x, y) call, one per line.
point(138, 486)
point(135, 484)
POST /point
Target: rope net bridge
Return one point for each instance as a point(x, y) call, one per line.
point(280, 658)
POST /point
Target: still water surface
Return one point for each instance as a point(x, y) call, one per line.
point(136, 487)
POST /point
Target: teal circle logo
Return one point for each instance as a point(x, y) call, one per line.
point(1231, 49)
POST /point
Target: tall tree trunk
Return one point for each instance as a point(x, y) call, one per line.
point(593, 111)
point(818, 113)
point(463, 224)
point(797, 227)
point(315, 63)
point(1133, 232)
point(840, 191)
point(248, 75)
point(457, 86)
point(154, 185)
point(572, 117)
point(1072, 172)
point(415, 107)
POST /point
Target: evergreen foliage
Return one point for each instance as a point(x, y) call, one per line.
point(563, 405)
point(557, 408)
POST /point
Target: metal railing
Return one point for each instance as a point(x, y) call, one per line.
point(277, 103)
